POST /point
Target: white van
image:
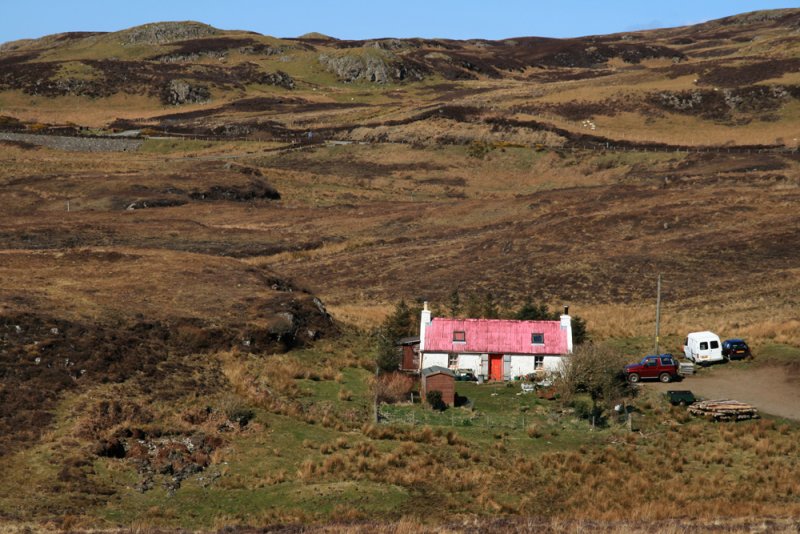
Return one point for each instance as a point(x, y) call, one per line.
point(703, 347)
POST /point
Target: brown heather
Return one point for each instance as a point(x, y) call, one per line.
point(201, 306)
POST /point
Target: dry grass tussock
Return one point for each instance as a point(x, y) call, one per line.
point(632, 475)
point(392, 387)
point(274, 383)
point(363, 315)
point(352, 521)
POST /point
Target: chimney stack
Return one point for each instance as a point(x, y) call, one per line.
point(424, 321)
point(566, 327)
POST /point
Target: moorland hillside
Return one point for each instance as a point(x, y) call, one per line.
point(201, 228)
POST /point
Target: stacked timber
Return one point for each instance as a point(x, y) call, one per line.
point(723, 410)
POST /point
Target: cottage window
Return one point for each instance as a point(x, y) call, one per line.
point(537, 339)
point(538, 362)
point(452, 360)
point(459, 336)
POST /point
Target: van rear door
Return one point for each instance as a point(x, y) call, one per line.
point(702, 350)
point(714, 350)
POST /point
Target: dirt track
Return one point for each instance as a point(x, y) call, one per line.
point(770, 389)
point(75, 144)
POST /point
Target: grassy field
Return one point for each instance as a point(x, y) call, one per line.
point(307, 455)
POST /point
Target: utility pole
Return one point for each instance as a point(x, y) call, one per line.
point(658, 311)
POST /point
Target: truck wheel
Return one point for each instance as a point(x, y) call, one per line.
point(664, 377)
point(633, 378)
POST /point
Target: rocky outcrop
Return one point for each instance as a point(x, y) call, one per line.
point(720, 104)
point(166, 32)
point(178, 92)
point(277, 78)
point(370, 68)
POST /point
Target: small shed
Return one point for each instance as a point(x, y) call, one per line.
point(409, 353)
point(438, 378)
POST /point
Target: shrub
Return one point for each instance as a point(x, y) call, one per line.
point(596, 370)
point(237, 412)
point(393, 387)
point(399, 324)
point(435, 401)
point(479, 149)
point(9, 122)
point(533, 431)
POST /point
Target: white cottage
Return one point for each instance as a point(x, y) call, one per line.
point(498, 349)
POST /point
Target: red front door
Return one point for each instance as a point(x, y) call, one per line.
point(496, 366)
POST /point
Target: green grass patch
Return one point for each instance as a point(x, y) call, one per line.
point(500, 412)
point(194, 506)
point(777, 352)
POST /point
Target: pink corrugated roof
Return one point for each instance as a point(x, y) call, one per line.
point(495, 336)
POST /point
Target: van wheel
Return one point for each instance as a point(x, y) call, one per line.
point(664, 377)
point(633, 378)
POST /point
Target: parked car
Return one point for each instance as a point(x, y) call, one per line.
point(465, 375)
point(735, 349)
point(702, 347)
point(661, 366)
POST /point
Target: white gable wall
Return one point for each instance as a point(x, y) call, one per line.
point(554, 364)
point(522, 365)
point(471, 362)
point(429, 359)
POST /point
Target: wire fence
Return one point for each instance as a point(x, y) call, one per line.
point(459, 419)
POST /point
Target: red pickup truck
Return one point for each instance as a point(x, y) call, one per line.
point(661, 366)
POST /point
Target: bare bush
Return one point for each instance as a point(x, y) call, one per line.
point(393, 387)
point(595, 369)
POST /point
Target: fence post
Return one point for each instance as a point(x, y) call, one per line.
point(375, 399)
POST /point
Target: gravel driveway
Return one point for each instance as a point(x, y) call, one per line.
point(771, 389)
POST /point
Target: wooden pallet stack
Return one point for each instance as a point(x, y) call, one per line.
point(723, 410)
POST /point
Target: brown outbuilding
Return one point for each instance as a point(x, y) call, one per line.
point(438, 378)
point(409, 360)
